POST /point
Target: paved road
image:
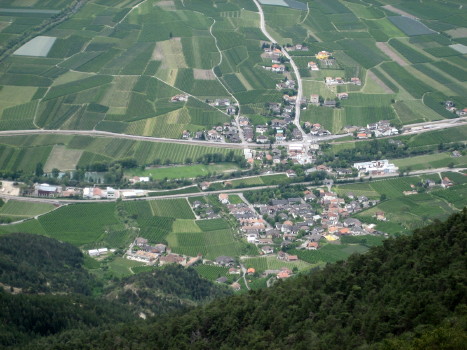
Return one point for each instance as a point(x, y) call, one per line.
point(125, 136)
point(292, 63)
point(185, 195)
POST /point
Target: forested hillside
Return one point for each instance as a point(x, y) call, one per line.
point(409, 293)
point(170, 289)
point(40, 265)
point(44, 290)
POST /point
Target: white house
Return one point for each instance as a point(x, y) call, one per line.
point(376, 166)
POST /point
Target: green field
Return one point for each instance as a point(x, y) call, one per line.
point(17, 210)
point(429, 161)
point(68, 224)
point(189, 171)
point(210, 244)
point(24, 152)
point(129, 61)
point(211, 272)
point(121, 267)
point(176, 208)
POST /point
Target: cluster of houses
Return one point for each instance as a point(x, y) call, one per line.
point(316, 129)
point(150, 254)
point(297, 47)
point(379, 129)
point(204, 210)
point(250, 223)
point(302, 153)
point(99, 193)
point(226, 131)
point(376, 167)
point(340, 81)
point(51, 191)
point(451, 107)
point(142, 251)
point(297, 220)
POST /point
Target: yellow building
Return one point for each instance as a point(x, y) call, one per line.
point(323, 55)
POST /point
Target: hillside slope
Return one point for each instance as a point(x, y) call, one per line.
point(45, 290)
point(407, 287)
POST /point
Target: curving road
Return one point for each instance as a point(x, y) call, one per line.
point(292, 63)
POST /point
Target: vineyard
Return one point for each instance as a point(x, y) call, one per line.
point(20, 210)
point(176, 208)
point(184, 225)
point(212, 224)
point(210, 244)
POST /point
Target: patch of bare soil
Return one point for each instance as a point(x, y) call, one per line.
point(378, 81)
point(391, 53)
point(400, 12)
point(204, 74)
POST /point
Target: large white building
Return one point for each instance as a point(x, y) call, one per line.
point(376, 167)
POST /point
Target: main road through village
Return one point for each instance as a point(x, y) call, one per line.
point(58, 201)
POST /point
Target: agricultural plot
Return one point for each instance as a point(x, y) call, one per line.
point(329, 253)
point(37, 47)
point(189, 171)
point(410, 26)
point(210, 244)
point(62, 158)
point(457, 196)
point(251, 181)
point(184, 225)
point(358, 189)
point(121, 267)
point(235, 199)
point(211, 272)
point(176, 208)
point(191, 189)
point(17, 210)
point(77, 224)
point(439, 136)
point(212, 224)
point(36, 148)
point(430, 161)
point(410, 211)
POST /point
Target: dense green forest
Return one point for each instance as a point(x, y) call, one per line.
point(166, 290)
point(41, 265)
point(409, 293)
point(44, 290)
